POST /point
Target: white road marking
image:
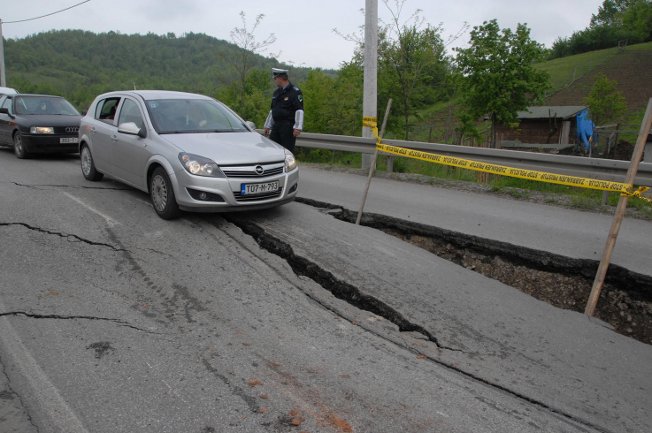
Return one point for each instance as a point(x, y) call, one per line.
point(110, 221)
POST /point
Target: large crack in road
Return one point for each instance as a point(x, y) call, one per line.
point(564, 282)
point(68, 236)
point(357, 298)
point(354, 296)
point(340, 289)
point(46, 187)
point(31, 315)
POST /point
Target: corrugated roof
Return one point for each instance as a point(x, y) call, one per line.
point(551, 111)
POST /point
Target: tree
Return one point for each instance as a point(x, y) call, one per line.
point(638, 19)
point(326, 110)
point(245, 39)
point(498, 77)
point(252, 101)
point(610, 13)
point(605, 102)
point(616, 21)
point(412, 69)
point(412, 65)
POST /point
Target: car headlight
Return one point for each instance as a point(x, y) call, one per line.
point(290, 162)
point(41, 130)
point(200, 166)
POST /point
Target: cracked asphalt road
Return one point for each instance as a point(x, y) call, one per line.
point(112, 320)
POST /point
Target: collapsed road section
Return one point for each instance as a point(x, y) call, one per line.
point(571, 365)
point(564, 282)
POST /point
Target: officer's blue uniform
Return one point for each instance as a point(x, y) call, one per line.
point(286, 113)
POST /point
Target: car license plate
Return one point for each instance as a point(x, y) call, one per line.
point(68, 140)
point(258, 188)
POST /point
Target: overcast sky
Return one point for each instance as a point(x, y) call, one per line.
point(303, 30)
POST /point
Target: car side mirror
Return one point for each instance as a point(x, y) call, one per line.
point(251, 125)
point(5, 110)
point(132, 129)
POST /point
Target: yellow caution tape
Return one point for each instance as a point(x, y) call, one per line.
point(372, 123)
point(580, 182)
point(502, 170)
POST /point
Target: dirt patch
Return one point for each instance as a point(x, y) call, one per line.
point(629, 313)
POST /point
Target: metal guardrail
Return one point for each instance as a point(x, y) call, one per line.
point(595, 168)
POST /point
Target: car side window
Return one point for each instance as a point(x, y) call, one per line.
point(131, 113)
point(105, 110)
point(8, 105)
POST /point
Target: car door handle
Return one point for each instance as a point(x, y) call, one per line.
point(114, 137)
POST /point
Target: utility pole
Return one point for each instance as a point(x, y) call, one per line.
point(370, 98)
point(3, 81)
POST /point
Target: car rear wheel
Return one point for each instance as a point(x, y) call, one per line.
point(162, 195)
point(88, 166)
point(19, 149)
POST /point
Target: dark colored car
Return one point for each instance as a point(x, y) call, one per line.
point(38, 124)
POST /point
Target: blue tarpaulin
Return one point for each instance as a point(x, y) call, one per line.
point(585, 130)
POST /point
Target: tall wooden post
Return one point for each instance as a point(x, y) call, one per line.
point(620, 213)
point(372, 167)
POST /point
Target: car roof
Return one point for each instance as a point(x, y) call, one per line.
point(149, 95)
point(8, 91)
point(38, 95)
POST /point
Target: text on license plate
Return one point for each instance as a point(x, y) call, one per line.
point(68, 140)
point(258, 188)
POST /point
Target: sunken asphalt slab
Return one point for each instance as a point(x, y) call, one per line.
point(575, 366)
point(488, 330)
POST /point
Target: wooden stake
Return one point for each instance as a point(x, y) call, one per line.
point(372, 167)
point(620, 213)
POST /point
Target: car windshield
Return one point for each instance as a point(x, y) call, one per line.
point(44, 105)
point(184, 116)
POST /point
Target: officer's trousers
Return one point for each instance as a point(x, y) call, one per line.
point(283, 134)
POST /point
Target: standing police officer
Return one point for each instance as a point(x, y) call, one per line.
point(284, 122)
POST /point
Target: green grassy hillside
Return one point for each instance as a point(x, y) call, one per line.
point(571, 80)
point(79, 64)
point(631, 67)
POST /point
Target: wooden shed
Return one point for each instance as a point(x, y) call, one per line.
point(547, 126)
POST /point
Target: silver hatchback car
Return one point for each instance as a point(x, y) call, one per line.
point(188, 151)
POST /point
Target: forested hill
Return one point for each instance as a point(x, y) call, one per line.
point(80, 64)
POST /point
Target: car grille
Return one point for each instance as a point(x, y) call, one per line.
point(253, 170)
point(243, 198)
point(66, 130)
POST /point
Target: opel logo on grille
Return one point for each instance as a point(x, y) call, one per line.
point(71, 129)
point(259, 170)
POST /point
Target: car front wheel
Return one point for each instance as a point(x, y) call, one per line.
point(88, 166)
point(19, 149)
point(162, 195)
